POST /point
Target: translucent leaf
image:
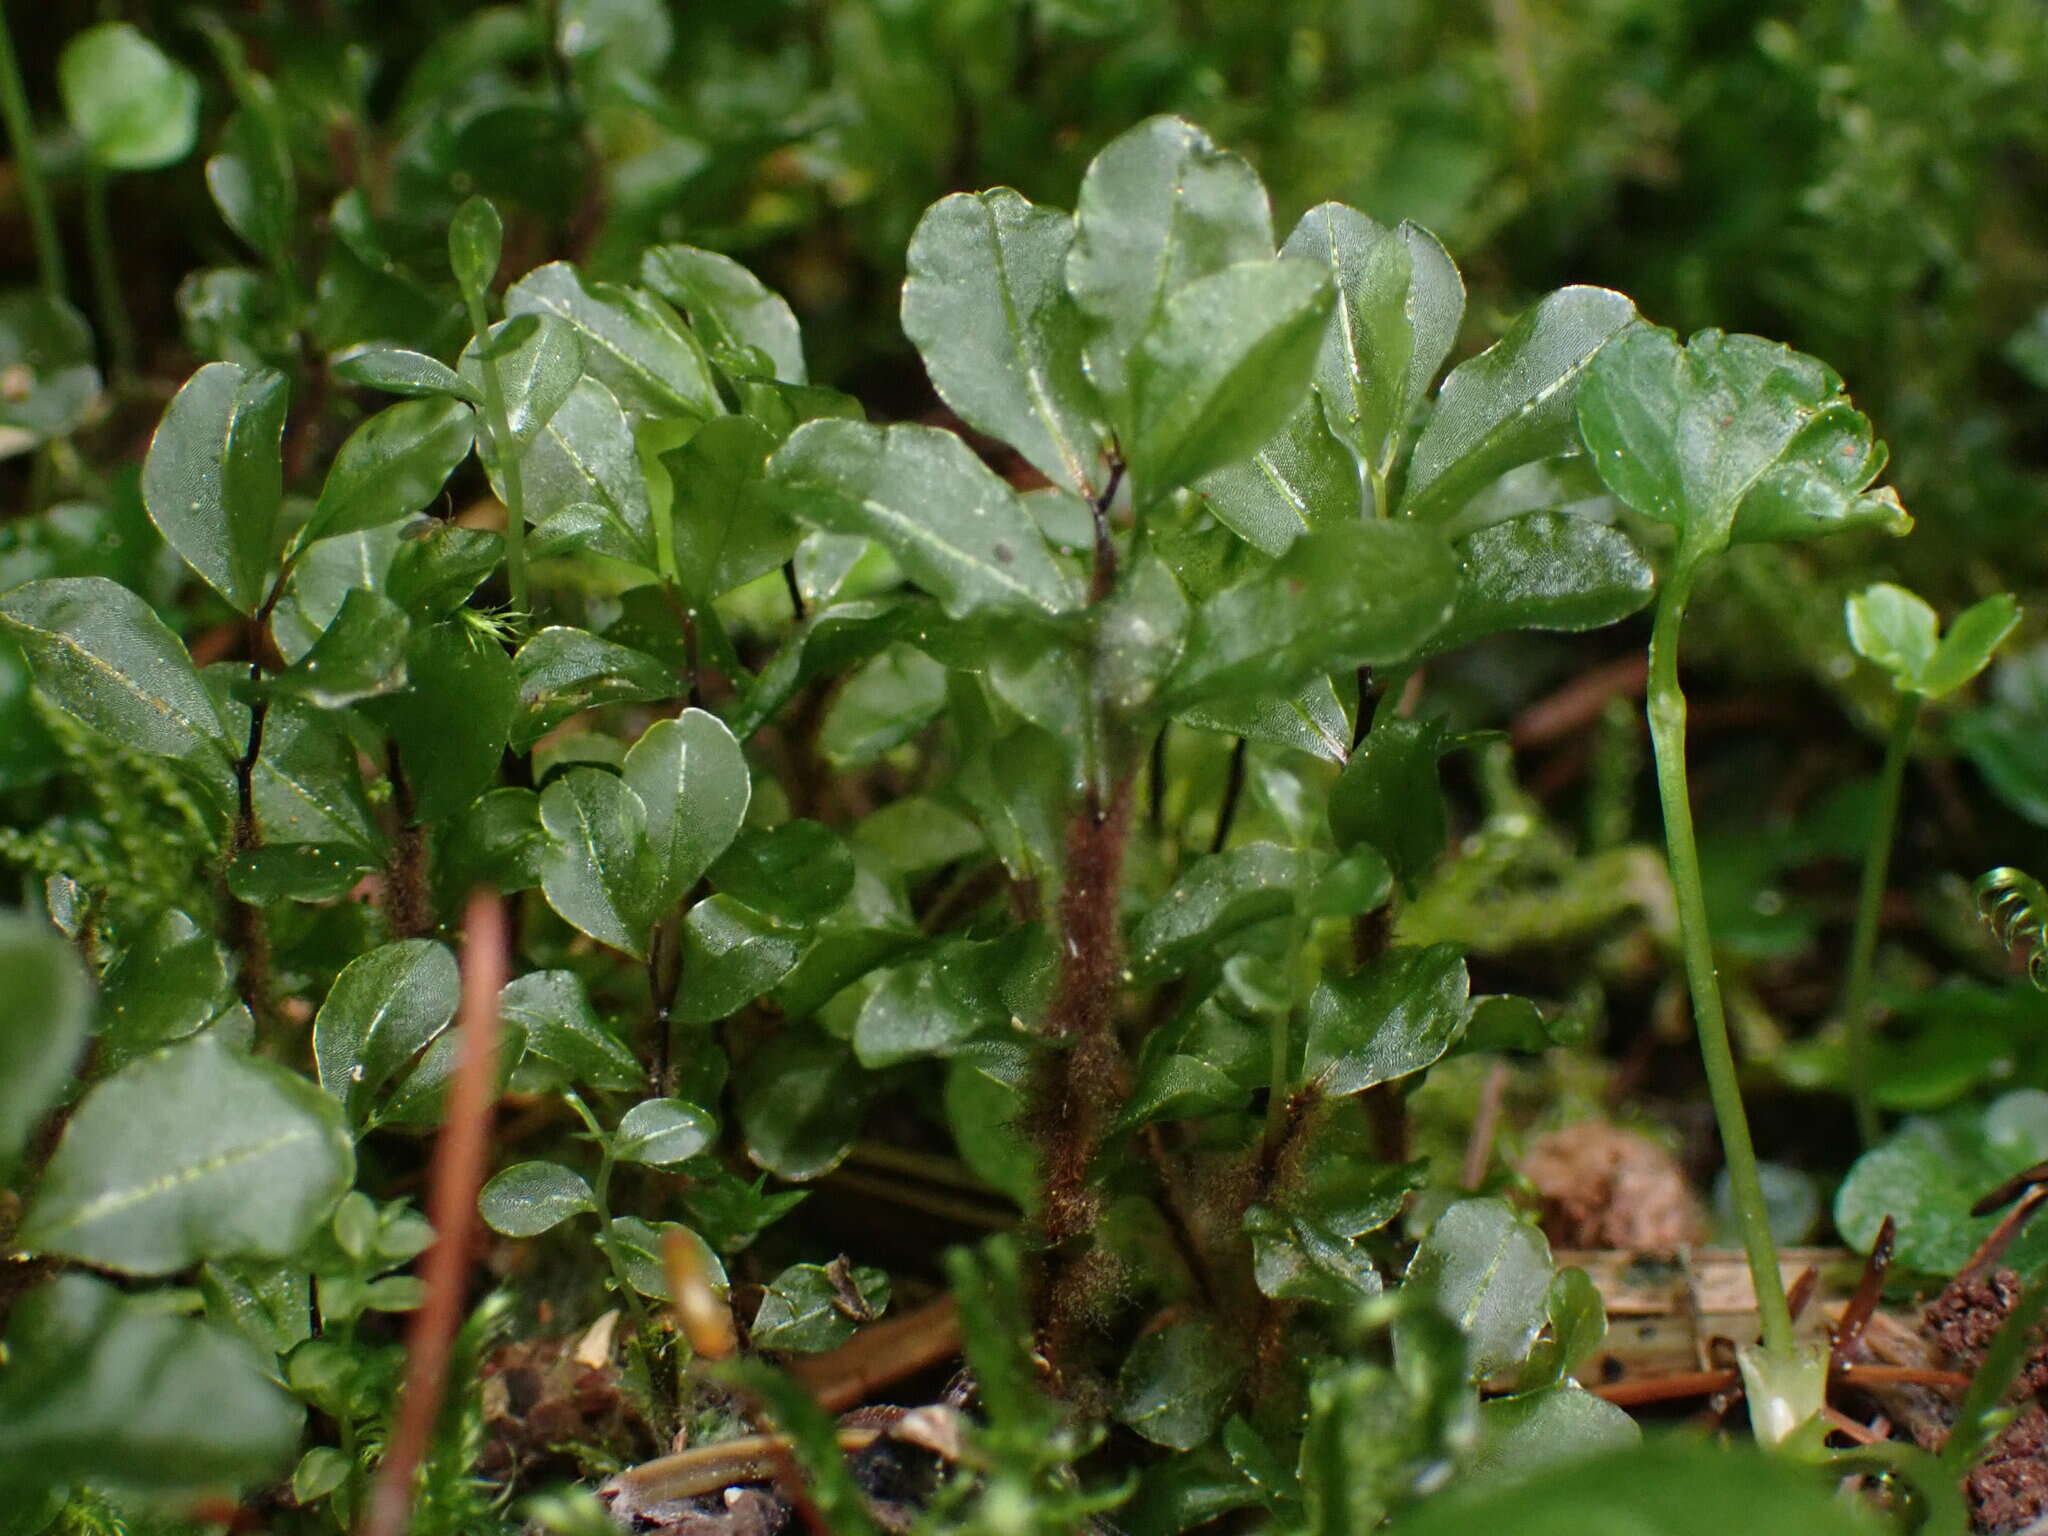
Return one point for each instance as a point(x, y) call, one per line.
point(693, 782)
point(1342, 597)
point(107, 1388)
point(1393, 1018)
point(1302, 478)
point(213, 478)
point(596, 868)
point(528, 1199)
point(385, 1007)
point(986, 304)
point(50, 1009)
point(1224, 365)
point(663, 1132)
point(1178, 1382)
point(135, 108)
point(1512, 404)
point(731, 955)
point(193, 1153)
point(726, 305)
point(1399, 303)
point(1489, 1271)
point(392, 466)
point(1160, 207)
point(957, 530)
point(632, 342)
point(564, 1031)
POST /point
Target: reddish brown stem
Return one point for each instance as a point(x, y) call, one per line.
point(1080, 1082)
point(456, 1175)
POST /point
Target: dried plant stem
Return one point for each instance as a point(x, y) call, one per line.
point(457, 1173)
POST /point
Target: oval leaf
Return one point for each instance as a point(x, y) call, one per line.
point(986, 305)
point(214, 478)
point(193, 1153)
point(528, 1199)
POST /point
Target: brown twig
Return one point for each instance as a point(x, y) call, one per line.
point(407, 907)
point(880, 1354)
point(1848, 1332)
point(1578, 703)
point(1485, 1126)
point(456, 1175)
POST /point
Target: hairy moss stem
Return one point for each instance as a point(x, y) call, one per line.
point(1667, 735)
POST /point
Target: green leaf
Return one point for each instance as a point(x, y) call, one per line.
point(384, 1009)
point(956, 529)
point(47, 1021)
point(101, 654)
point(731, 955)
point(109, 1389)
point(1312, 720)
point(564, 1032)
point(213, 478)
point(563, 670)
point(1967, 648)
point(538, 361)
point(796, 872)
point(170, 982)
point(1399, 304)
point(801, 1101)
point(528, 1199)
point(639, 1244)
point(392, 466)
point(476, 243)
point(1929, 1173)
point(1512, 404)
point(1731, 439)
point(692, 779)
point(134, 108)
point(987, 307)
point(1674, 1487)
point(1178, 1382)
point(633, 342)
point(46, 355)
point(1393, 1018)
point(1302, 478)
point(882, 705)
point(1388, 797)
point(1893, 628)
point(1160, 207)
point(454, 718)
point(250, 175)
point(919, 1010)
point(399, 371)
point(585, 456)
point(1532, 1432)
point(813, 1307)
point(193, 1153)
point(1223, 367)
point(438, 565)
point(726, 531)
point(596, 867)
point(1357, 594)
point(307, 786)
point(309, 872)
point(1543, 570)
point(1489, 1271)
point(1577, 1325)
point(360, 655)
point(726, 305)
point(663, 1133)
point(1214, 897)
